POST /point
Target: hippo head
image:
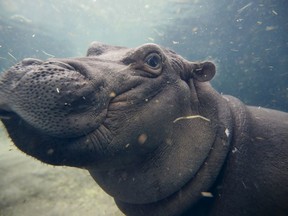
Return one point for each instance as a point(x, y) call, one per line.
point(142, 120)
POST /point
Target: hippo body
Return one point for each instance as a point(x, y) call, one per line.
point(151, 131)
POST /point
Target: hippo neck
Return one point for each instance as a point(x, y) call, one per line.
point(206, 176)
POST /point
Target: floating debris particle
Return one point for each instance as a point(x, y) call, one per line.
point(112, 94)
point(160, 34)
point(33, 35)
point(191, 117)
point(259, 22)
point(274, 12)
point(50, 55)
point(142, 138)
point(234, 150)
point(175, 42)
point(12, 56)
point(245, 7)
point(243, 183)
point(195, 29)
point(58, 91)
point(151, 39)
point(259, 138)
point(207, 194)
point(127, 145)
point(50, 151)
point(227, 132)
point(270, 28)
point(20, 18)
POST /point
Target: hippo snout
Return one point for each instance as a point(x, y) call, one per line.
point(53, 97)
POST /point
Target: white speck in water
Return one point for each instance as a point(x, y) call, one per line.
point(58, 91)
point(234, 50)
point(50, 55)
point(12, 56)
point(243, 183)
point(195, 29)
point(33, 35)
point(112, 94)
point(151, 39)
point(50, 151)
point(142, 138)
point(274, 12)
point(270, 28)
point(146, 100)
point(127, 145)
point(245, 7)
point(227, 132)
point(207, 194)
point(175, 42)
point(234, 150)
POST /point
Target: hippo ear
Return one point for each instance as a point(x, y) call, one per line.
point(203, 71)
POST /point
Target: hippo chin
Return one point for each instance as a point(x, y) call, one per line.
point(151, 131)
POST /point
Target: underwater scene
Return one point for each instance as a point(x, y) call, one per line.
point(246, 40)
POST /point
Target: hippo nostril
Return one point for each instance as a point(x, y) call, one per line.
point(31, 61)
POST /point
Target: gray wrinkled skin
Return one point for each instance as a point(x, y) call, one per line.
point(151, 131)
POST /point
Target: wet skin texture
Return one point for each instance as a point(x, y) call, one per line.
point(151, 131)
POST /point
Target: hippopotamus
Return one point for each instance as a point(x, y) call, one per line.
point(151, 130)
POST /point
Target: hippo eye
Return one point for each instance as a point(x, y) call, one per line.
point(154, 61)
